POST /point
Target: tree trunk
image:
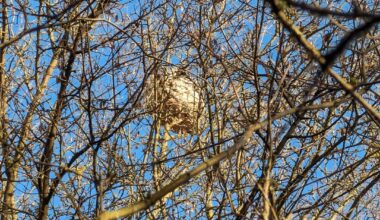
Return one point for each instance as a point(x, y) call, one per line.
point(9, 212)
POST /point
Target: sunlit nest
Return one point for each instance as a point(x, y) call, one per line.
point(175, 98)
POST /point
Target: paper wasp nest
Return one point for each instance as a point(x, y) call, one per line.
point(175, 98)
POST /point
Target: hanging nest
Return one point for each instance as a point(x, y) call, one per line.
point(174, 98)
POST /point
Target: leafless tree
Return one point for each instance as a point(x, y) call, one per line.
point(283, 124)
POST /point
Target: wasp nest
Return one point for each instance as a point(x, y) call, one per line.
point(175, 98)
